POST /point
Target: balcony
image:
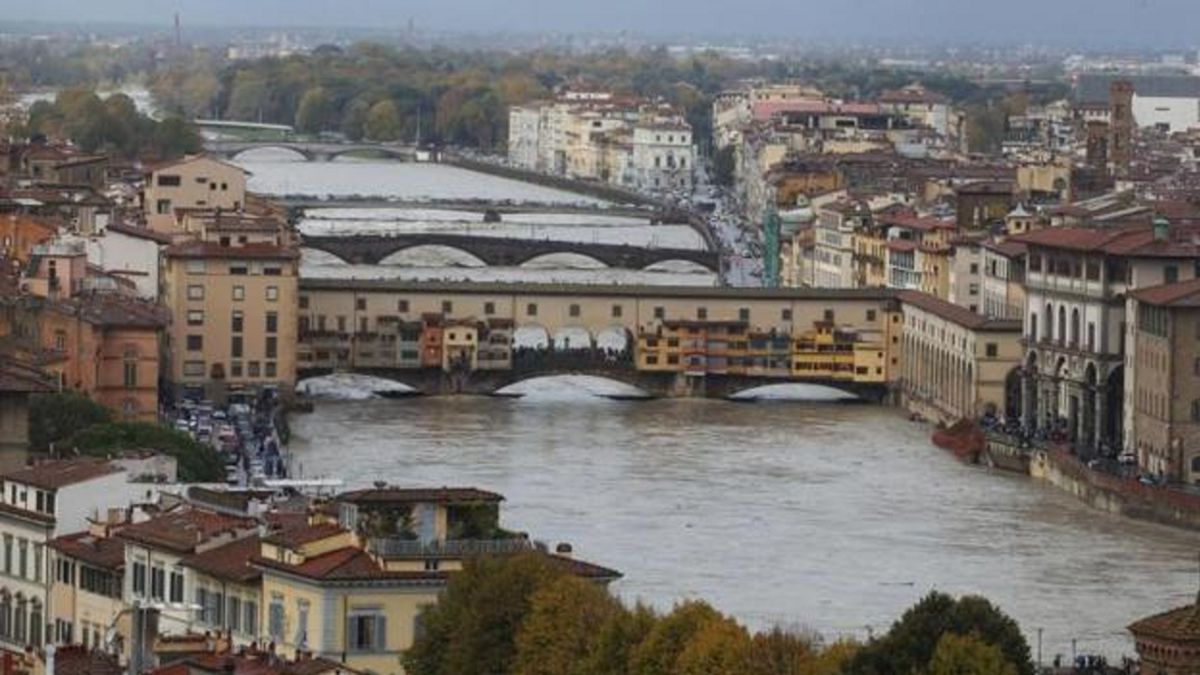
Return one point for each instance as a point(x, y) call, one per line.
point(394, 547)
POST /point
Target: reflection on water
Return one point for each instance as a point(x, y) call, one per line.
point(827, 516)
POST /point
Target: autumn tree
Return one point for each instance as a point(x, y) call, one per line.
point(558, 637)
point(316, 112)
point(383, 122)
point(659, 652)
point(473, 628)
point(718, 647)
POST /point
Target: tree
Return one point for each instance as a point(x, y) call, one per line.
point(778, 652)
point(558, 637)
point(248, 97)
point(719, 647)
point(354, 119)
point(197, 462)
point(659, 652)
point(316, 112)
point(968, 655)
point(54, 418)
point(173, 137)
point(472, 629)
point(616, 640)
point(910, 643)
point(383, 122)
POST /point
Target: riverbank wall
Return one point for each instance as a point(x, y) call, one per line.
point(603, 191)
point(1103, 491)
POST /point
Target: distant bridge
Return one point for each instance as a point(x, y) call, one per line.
point(313, 151)
point(502, 252)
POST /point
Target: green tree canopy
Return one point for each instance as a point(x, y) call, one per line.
point(383, 122)
point(659, 652)
point(719, 647)
point(909, 645)
point(968, 655)
point(55, 418)
point(197, 462)
point(316, 112)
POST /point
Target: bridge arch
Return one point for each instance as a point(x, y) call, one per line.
point(678, 266)
point(616, 338)
point(320, 257)
point(564, 259)
point(299, 151)
point(432, 255)
point(531, 336)
point(793, 391)
point(573, 387)
point(388, 152)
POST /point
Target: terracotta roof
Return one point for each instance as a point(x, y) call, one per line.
point(103, 552)
point(921, 223)
point(1181, 294)
point(140, 232)
point(1179, 624)
point(58, 473)
point(582, 568)
point(911, 95)
point(956, 314)
point(20, 375)
point(1136, 241)
point(253, 663)
point(349, 564)
point(182, 530)
point(291, 538)
point(901, 245)
point(230, 562)
point(443, 495)
point(206, 249)
point(1008, 248)
point(188, 159)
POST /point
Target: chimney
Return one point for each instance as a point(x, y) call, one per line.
point(564, 549)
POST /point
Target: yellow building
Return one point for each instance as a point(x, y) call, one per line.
point(460, 346)
point(85, 591)
point(195, 182)
point(233, 302)
point(829, 353)
point(354, 591)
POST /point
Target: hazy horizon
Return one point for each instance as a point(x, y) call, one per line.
point(1118, 23)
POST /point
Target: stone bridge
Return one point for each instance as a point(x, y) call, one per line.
point(502, 252)
point(314, 151)
point(435, 382)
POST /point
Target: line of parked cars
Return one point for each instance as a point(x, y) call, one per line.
point(236, 432)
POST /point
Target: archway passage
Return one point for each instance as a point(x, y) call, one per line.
point(615, 339)
point(1012, 394)
point(1114, 403)
point(530, 337)
point(572, 338)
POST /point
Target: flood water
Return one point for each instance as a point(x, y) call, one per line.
point(829, 517)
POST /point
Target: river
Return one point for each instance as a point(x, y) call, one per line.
point(823, 516)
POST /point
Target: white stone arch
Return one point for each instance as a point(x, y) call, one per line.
point(616, 338)
point(531, 336)
point(564, 260)
point(432, 255)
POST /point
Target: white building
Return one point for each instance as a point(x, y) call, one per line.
point(130, 253)
point(1170, 103)
point(663, 156)
point(524, 136)
point(833, 244)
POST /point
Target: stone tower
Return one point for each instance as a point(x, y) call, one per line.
point(1120, 125)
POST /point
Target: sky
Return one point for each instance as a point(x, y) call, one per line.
point(1143, 23)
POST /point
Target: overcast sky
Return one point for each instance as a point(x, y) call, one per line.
point(1094, 22)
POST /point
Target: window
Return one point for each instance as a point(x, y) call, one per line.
point(1196, 411)
point(785, 314)
point(235, 346)
point(272, 293)
point(702, 313)
point(195, 318)
point(272, 322)
point(829, 315)
point(158, 583)
point(489, 308)
point(272, 271)
point(1170, 274)
point(275, 618)
point(252, 369)
point(744, 314)
point(131, 374)
point(402, 306)
point(168, 180)
point(301, 622)
point(239, 293)
point(162, 207)
point(250, 617)
point(139, 578)
point(870, 315)
point(195, 292)
point(8, 551)
point(193, 368)
point(992, 350)
point(272, 347)
point(202, 604)
point(235, 614)
point(360, 304)
point(236, 323)
point(367, 632)
point(38, 555)
point(176, 588)
point(269, 369)
point(660, 313)
point(23, 558)
point(195, 343)
point(531, 309)
point(239, 270)
point(616, 311)
point(1035, 262)
point(447, 307)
